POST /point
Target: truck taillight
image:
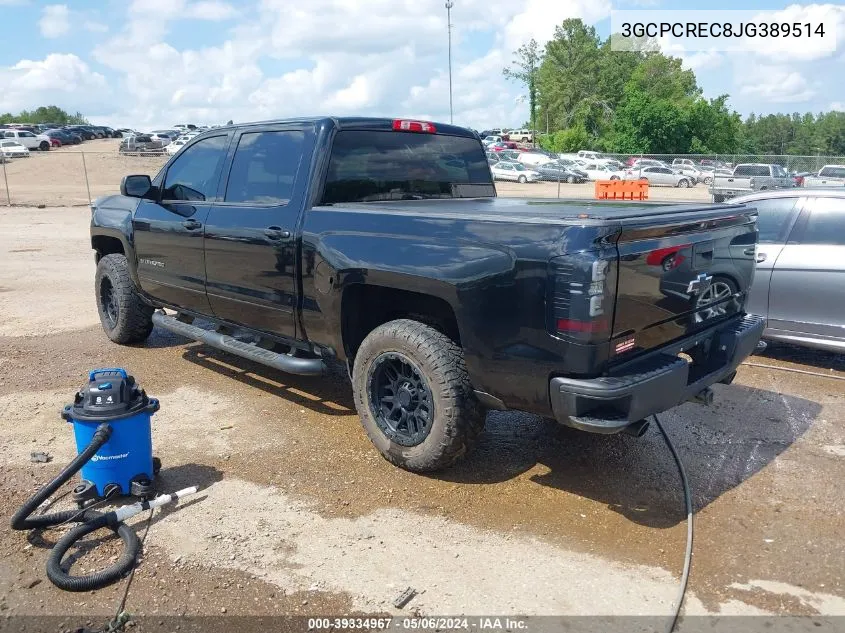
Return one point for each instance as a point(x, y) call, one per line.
point(403, 125)
point(582, 292)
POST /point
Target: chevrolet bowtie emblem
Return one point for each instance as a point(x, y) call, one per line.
point(700, 284)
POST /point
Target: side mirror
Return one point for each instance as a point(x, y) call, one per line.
point(136, 186)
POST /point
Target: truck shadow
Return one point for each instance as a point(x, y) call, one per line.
point(721, 447)
point(330, 394)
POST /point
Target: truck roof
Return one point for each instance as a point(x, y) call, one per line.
point(356, 123)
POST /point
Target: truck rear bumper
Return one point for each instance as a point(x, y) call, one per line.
point(657, 382)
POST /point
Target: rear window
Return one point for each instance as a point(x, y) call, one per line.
point(833, 172)
point(752, 170)
point(368, 166)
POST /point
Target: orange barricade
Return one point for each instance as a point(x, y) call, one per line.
point(621, 190)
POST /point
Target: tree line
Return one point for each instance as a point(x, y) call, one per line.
point(586, 96)
point(44, 114)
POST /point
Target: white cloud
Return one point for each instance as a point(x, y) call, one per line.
point(774, 84)
point(31, 83)
point(839, 106)
point(165, 10)
point(55, 20)
point(95, 27)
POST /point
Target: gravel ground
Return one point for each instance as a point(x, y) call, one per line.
point(299, 515)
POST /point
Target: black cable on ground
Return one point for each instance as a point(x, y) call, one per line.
point(682, 590)
point(89, 521)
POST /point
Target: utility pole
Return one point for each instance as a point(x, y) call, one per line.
point(449, 5)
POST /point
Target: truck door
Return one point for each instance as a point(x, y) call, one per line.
point(808, 280)
point(169, 231)
point(250, 245)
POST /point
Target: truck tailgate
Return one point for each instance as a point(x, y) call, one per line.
point(681, 274)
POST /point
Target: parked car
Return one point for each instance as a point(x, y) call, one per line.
point(556, 171)
point(437, 320)
point(140, 143)
point(750, 177)
point(515, 171)
point(164, 136)
point(660, 176)
point(534, 159)
point(86, 133)
point(798, 286)
point(522, 136)
point(601, 171)
point(828, 176)
point(589, 155)
point(66, 137)
point(642, 163)
point(175, 146)
point(492, 139)
point(28, 139)
point(13, 149)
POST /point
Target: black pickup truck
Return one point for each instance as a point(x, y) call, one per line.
point(382, 243)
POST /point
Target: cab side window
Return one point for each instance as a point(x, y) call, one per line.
point(195, 173)
point(826, 223)
point(265, 167)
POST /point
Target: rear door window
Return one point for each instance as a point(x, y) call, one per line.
point(265, 167)
point(369, 165)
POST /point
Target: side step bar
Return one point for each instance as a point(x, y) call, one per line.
point(283, 362)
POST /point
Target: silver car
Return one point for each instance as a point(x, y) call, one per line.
point(799, 284)
point(660, 176)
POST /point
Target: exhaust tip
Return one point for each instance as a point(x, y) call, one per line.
point(637, 429)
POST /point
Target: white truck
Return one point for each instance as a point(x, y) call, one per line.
point(28, 139)
point(749, 177)
point(828, 176)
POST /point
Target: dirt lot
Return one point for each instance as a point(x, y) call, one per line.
point(299, 515)
point(57, 178)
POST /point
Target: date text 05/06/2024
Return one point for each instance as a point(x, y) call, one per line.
point(422, 623)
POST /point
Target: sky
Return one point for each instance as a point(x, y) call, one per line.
point(151, 63)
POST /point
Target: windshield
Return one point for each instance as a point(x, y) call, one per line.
point(384, 165)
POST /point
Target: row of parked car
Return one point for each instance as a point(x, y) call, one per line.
point(158, 142)
point(17, 140)
point(533, 165)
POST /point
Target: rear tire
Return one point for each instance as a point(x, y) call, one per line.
point(522, 180)
point(683, 184)
point(718, 199)
point(126, 319)
point(44, 146)
point(414, 396)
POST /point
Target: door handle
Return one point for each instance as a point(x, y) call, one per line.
point(192, 224)
point(761, 257)
point(276, 233)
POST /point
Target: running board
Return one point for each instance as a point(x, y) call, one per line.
point(283, 362)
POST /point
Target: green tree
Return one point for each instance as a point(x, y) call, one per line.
point(524, 69)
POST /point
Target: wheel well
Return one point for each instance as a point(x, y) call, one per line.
point(364, 308)
point(105, 245)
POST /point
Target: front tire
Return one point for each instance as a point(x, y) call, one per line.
point(683, 184)
point(126, 319)
point(414, 396)
point(522, 180)
point(44, 146)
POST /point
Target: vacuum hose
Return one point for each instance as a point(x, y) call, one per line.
point(89, 521)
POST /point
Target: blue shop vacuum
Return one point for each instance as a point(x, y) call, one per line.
point(111, 423)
